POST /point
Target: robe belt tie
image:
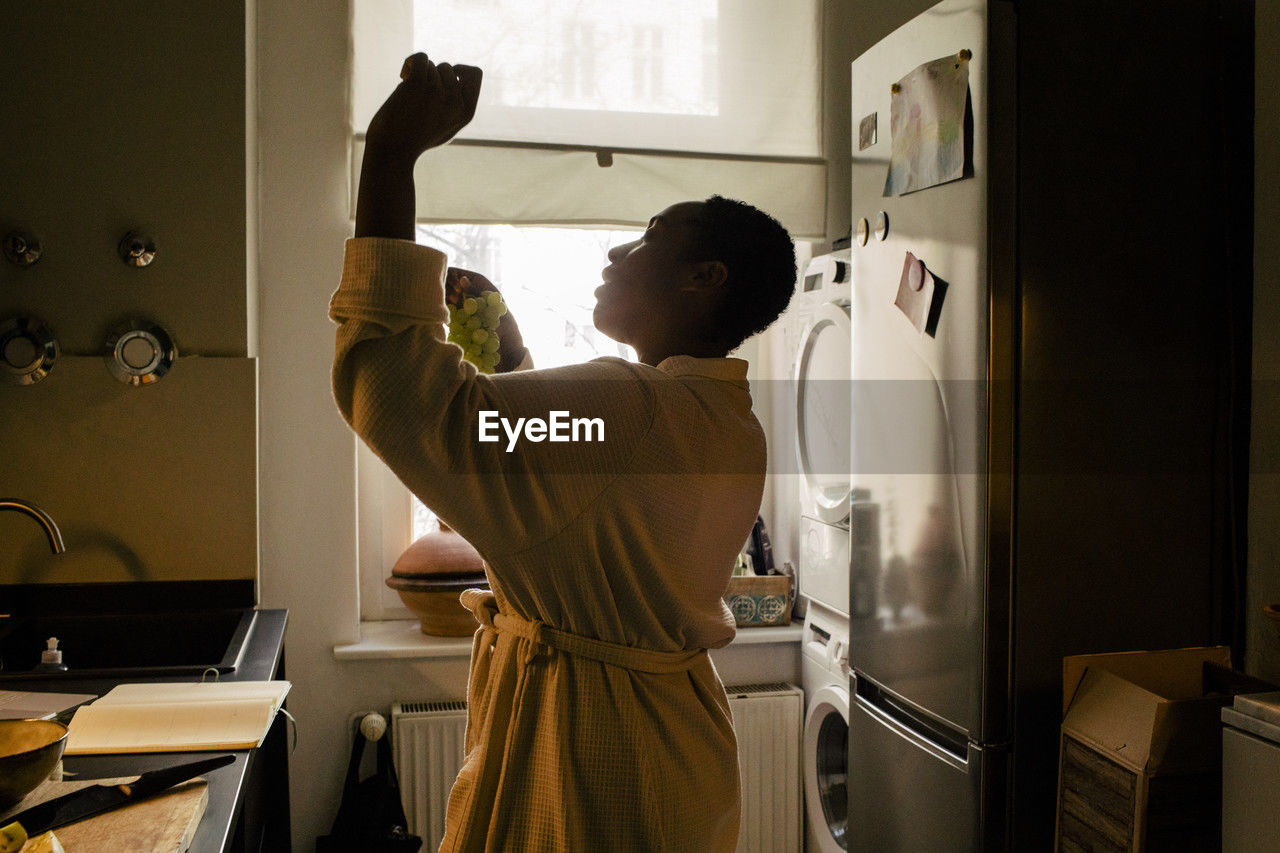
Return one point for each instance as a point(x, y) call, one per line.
point(492, 622)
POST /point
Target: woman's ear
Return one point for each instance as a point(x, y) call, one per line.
point(707, 276)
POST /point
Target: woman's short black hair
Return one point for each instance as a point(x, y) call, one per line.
point(760, 258)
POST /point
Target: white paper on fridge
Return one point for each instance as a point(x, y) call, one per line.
point(926, 124)
point(177, 717)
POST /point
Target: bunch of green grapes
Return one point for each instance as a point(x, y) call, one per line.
point(474, 327)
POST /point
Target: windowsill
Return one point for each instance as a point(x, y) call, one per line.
point(402, 639)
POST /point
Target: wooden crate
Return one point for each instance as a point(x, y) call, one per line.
point(1097, 801)
point(1104, 807)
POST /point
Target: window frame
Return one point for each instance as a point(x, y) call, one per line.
point(384, 526)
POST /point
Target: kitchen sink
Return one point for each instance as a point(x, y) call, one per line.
point(131, 645)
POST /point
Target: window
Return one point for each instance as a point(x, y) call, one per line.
point(684, 96)
point(562, 70)
point(547, 276)
point(578, 72)
point(647, 64)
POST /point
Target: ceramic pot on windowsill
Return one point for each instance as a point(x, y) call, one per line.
point(430, 577)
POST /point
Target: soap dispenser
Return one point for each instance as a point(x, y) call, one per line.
point(51, 657)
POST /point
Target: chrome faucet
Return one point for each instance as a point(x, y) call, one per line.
point(51, 531)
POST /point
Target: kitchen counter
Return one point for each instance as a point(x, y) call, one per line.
point(248, 806)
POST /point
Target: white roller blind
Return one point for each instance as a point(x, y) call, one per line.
point(683, 94)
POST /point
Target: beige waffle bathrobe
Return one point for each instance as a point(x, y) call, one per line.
point(596, 721)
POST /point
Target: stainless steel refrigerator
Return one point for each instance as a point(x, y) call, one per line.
point(1051, 328)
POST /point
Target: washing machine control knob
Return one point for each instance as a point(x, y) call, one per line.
point(838, 652)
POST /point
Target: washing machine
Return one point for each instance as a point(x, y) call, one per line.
point(824, 673)
point(823, 400)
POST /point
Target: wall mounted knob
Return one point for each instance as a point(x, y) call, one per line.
point(139, 352)
point(137, 249)
point(21, 248)
point(27, 351)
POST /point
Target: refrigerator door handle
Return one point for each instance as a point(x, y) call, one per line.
point(944, 742)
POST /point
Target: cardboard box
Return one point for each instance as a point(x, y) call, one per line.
point(758, 601)
point(1140, 760)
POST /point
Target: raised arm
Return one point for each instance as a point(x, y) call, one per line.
point(407, 392)
point(431, 104)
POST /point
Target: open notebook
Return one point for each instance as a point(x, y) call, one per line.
point(184, 717)
point(26, 705)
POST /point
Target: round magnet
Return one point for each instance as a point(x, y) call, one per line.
point(882, 225)
point(915, 274)
point(863, 229)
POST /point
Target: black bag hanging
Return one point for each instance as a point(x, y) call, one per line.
point(370, 816)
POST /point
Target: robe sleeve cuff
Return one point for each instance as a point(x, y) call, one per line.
point(387, 276)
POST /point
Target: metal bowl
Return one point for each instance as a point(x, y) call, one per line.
point(29, 750)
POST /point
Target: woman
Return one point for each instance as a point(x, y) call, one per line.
point(596, 720)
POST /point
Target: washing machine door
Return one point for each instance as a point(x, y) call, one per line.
point(826, 768)
point(823, 411)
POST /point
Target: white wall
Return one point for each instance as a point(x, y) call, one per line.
point(307, 453)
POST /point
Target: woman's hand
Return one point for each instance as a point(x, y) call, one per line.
point(458, 285)
point(431, 104)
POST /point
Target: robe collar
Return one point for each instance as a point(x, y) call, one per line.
point(727, 369)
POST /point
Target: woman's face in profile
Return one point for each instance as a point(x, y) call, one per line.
point(643, 277)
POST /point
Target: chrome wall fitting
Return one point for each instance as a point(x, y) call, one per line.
point(139, 352)
point(21, 248)
point(27, 351)
point(137, 249)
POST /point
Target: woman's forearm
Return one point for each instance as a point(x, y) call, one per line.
point(431, 104)
point(385, 201)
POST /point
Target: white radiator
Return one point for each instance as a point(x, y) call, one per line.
point(427, 742)
point(768, 720)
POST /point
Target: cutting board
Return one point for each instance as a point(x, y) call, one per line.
point(164, 823)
